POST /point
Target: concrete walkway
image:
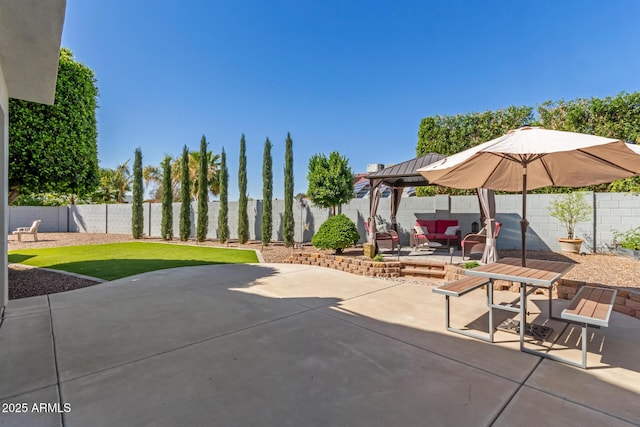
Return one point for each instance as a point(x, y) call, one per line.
point(292, 345)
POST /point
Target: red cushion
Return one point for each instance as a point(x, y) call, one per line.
point(429, 223)
point(443, 224)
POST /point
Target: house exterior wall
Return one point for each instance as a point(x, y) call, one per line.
point(4, 189)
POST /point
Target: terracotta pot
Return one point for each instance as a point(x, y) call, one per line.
point(570, 245)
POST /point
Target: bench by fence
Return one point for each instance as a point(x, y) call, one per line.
point(457, 289)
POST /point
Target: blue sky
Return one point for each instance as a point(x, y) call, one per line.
point(349, 76)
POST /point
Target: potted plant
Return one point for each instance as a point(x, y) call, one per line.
point(569, 209)
point(628, 243)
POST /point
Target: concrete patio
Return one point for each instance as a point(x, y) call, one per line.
point(276, 344)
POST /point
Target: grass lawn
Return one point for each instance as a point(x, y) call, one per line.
point(116, 260)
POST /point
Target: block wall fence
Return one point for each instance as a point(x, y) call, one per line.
point(612, 211)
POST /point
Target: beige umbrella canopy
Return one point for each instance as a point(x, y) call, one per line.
point(532, 157)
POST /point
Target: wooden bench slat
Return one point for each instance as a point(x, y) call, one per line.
point(591, 305)
point(462, 286)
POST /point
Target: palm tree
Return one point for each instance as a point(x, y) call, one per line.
point(121, 180)
point(213, 167)
point(153, 174)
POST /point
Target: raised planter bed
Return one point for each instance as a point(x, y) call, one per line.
point(629, 253)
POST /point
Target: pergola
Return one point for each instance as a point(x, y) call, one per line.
point(396, 177)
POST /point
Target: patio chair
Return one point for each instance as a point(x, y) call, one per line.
point(475, 243)
point(28, 230)
point(386, 240)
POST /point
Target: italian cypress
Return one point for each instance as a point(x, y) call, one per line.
point(243, 219)
point(267, 194)
point(203, 193)
point(289, 224)
point(223, 214)
point(167, 200)
point(185, 197)
point(137, 217)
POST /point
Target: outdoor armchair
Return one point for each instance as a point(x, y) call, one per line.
point(28, 230)
point(475, 243)
point(386, 240)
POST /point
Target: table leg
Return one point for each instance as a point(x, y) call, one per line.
point(523, 313)
point(490, 305)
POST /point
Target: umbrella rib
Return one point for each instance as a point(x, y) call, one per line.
point(607, 162)
point(544, 165)
point(525, 160)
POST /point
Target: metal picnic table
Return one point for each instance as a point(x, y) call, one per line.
point(537, 274)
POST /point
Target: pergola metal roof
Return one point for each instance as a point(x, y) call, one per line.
point(404, 174)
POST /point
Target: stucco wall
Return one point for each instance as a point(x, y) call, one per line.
point(4, 214)
point(614, 211)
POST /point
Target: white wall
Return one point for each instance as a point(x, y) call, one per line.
point(614, 211)
point(4, 189)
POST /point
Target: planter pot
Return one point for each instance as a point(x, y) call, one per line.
point(635, 254)
point(570, 245)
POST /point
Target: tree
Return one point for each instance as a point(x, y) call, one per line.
point(121, 181)
point(288, 223)
point(223, 214)
point(267, 194)
point(213, 164)
point(330, 180)
point(153, 175)
point(53, 148)
point(185, 198)
point(167, 199)
point(137, 216)
point(612, 117)
point(243, 218)
point(203, 193)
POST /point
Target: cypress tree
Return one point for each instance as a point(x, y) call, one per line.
point(223, 214)
point(137, 217)
point(289, 224)
point(203, 193)
point(243, 219)
point(267, 194)
point(167, 200)
point(185, 197)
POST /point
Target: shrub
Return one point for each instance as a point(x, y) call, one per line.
point(471, 264)
point(629, 239)
point(338, 232)
point(378, 258)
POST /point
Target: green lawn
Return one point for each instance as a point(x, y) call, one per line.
point(116, 260)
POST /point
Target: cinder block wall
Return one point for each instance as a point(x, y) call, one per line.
point(613, 211)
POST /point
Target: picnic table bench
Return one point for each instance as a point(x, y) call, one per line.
point(591, 306)
point(456, 289)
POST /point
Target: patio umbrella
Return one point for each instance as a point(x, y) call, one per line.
point(532, 157)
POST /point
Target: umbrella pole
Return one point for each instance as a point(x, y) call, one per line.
point(523, 222)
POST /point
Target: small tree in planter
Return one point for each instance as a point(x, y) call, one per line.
point(338, 232)
point(569, 209)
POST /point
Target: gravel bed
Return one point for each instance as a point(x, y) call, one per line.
point(610, 270)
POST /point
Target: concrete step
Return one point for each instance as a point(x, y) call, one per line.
point(431, 269)
point(423, 272)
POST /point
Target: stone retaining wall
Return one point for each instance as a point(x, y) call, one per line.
point(362, 267)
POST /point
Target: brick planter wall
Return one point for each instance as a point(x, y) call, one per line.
point(360, 266)
point(627, 302)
